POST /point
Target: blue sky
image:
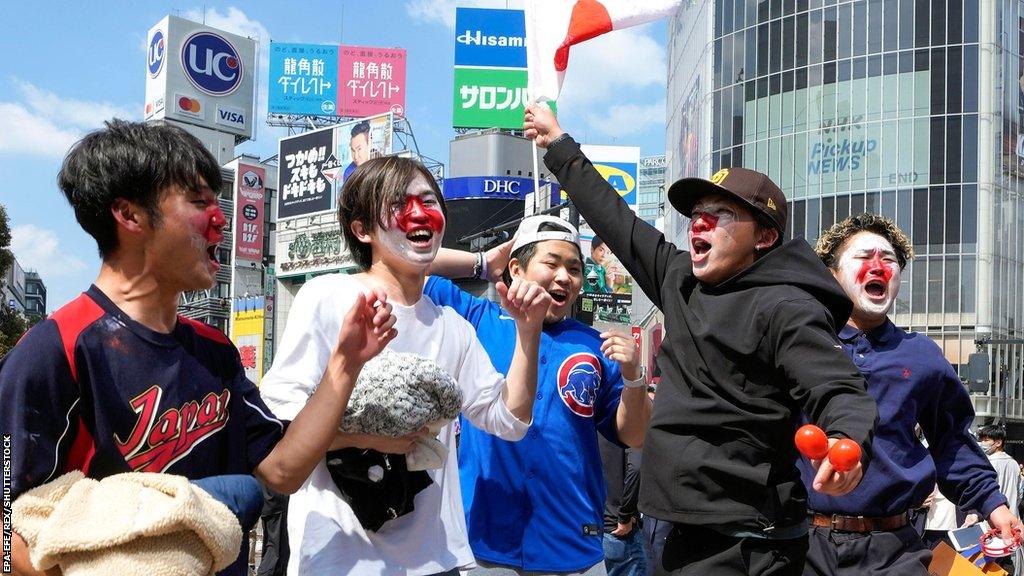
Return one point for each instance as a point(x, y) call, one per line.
point(67, 67)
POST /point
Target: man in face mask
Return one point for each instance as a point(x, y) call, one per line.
point(991, 439)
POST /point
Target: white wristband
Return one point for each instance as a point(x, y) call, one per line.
point(640, 382)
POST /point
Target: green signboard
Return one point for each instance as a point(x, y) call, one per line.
point(489, 98)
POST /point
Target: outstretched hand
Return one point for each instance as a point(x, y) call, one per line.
point(1002, 519)
point(540, 125)
point(366, 330)
point(621, 347)
point(497, 259)
point(830, 481)
point(525, 301)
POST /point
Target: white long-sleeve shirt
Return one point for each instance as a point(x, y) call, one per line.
point(324, 534)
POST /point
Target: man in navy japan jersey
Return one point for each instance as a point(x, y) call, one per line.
point(115, 381)
point(549, 487)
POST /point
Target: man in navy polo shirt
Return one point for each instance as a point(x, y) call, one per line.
point(867, 531)
point(537, 505)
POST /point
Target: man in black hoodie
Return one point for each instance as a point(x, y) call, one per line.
point(751, 341)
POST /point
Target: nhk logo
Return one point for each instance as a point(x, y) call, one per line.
point(478, 38)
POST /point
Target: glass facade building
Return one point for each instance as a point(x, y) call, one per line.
point(651, 188)
point(907, 108)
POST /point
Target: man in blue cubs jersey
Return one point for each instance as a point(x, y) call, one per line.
point(537, 505)
point(116, 382)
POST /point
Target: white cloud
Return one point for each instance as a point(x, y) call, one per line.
point(23, 132)
point(39, 249)
point(443, 11)
point(600, 69)
point(43, 123)
point(233, 20)
point(236, 21)
point(68, 111)
point(621, 120)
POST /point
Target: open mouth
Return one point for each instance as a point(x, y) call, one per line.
point(700, 246)
point(875, 288)
point(420, 236)
point(558, 296)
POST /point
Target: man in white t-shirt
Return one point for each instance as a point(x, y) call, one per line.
point(392, 216)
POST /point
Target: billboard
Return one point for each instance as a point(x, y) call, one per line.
point(313, 166)
point(490, 69)
point(200, 75)
point(331, 80)
point(372, 81)
point(845, 135)
point(247, 334)
point(499, 187)
point(303, 79)
point(607, 287)
point(249, 207)
point(310, 245)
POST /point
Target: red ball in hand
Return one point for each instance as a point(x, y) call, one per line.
point(844, 455)
point(811, 442)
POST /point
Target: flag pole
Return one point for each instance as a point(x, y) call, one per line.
point(536, 175)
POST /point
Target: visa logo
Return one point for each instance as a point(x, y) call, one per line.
point(480, 39)
point(231, 117)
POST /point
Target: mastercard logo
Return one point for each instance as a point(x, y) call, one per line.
point(189, 104)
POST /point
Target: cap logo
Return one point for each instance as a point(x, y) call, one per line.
point(771, 204)
point(720, 176)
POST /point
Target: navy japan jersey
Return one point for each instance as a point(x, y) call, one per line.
point(538, 504)
point(90, 389)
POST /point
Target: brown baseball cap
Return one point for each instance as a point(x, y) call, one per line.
point(750, 187)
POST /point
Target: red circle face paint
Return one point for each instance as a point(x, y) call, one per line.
point(415, 214)
point(875, 266)
point(704, 222)
point(215, 222)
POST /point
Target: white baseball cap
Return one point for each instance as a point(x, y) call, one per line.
point(529, 232)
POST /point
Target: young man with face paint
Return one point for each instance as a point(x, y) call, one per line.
point(536, 506)
point(869, 530)
point(392, 216)
point(750, 328)
point(115, 381)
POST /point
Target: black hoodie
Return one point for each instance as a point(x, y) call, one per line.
point(739, 362)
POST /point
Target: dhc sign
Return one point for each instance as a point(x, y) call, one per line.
point(211, 63)
point(494, 187)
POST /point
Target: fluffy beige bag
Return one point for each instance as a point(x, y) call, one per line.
point(126, 525)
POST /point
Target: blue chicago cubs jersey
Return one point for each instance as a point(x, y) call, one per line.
point(538, 504)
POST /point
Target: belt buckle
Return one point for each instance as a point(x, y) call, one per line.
point(834, 522)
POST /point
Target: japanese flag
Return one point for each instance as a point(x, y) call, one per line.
point(552, 26)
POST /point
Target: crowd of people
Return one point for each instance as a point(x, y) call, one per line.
point(559, 462)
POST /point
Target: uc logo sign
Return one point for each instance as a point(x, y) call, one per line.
point(211, 63)
point(155, 54)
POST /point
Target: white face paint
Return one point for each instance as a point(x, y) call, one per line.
point(869, 273)
point(415, 231)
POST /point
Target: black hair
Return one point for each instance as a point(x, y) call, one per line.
point(526, 252)
point(596, 243)
point(373, 192)
point(993, 431)
point(361, 128)
point(136, 161)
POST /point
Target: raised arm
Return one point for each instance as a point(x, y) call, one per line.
point(640, 247)
point(365, 331)
point(527, 303)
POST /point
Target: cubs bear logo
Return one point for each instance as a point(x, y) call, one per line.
point(579, 378)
